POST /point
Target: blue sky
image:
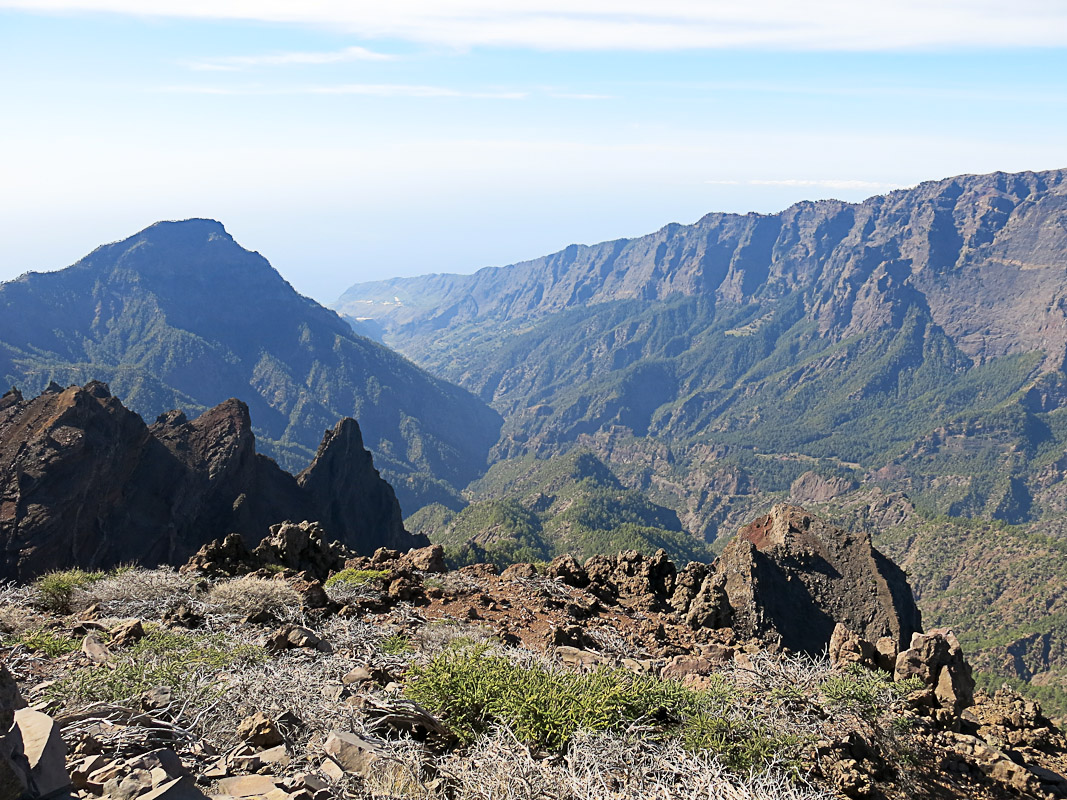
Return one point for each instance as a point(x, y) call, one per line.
point(349, 142)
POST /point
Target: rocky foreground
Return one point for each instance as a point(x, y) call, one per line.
point(793, 667)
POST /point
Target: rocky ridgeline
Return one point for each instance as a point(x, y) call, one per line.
point(801, 629)
point(85, 482)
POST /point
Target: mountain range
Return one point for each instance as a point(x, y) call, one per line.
point(915, 341)
point(897, 363)
point(180, 316)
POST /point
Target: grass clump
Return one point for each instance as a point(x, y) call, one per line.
point(251, 594)
point(44, 641)
point(866, 691)
point(354, 578)
point(738, 744)
point(396, 645)
point(56, 589)
point(132, 591)
point(187, 662)
point(475, 688)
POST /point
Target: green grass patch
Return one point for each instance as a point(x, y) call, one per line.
point(396, 645)
point(44, 641)
point(57, 588)
point(187, 662)
point(737, 743)
point(358, 577)
point(473, 688)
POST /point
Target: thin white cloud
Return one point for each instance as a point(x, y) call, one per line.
point(639, 25)
point(366, 89)
point(820, 183)
point(580, 96)
point(235, 63)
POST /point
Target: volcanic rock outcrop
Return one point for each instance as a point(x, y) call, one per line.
point(85, 482)
point(791, 576)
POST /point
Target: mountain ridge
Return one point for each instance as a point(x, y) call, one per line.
point(673, 260)
point(850, 332)
point(179, 315)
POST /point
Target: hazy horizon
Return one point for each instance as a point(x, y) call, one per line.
point(349, 144)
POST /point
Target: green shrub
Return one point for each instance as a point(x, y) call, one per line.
point(185, 661)
point(396, 645)
point(474, 688)
point(358, 577)
point(56, 589)
point(42, 640)
point(738, 743)
point(864, 690)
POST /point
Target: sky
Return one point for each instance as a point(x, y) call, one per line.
point(350, 141)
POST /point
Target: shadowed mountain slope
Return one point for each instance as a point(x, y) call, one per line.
point(181, 316)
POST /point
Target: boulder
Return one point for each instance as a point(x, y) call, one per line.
point(353, 753)
point(937, 659)
point(94, 649)
point(259, 730)
point(790, 577)
point(848, 648)
point(44, 750)
point(519, 571)
point(126, 633)
point(178, 789)
point(428, 559)
point(247, 785)
point(564, 568)
point(10, 700)
point(644, 582)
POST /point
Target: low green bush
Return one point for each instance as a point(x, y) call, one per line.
point(473, 688)
point(44, 641)
point(865, 690)
point(56, 589)
point(396, 645)
point(358, 577)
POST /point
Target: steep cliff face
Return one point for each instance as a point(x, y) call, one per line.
point(916, 340)
point(181, 316)
point(959, 246)
point(83, 481)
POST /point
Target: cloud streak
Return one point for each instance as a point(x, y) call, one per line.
point(364, 89)
point(637, 25)
point(819, 183)
point(236, 63)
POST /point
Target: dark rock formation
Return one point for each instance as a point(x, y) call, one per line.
point(299, 547)
point(791, 575)
point(84, 482)
point(342, 480)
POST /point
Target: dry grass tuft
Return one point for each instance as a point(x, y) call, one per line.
point(599, 766)
point(138, 592)
point(250, 594)
point(17, 612)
